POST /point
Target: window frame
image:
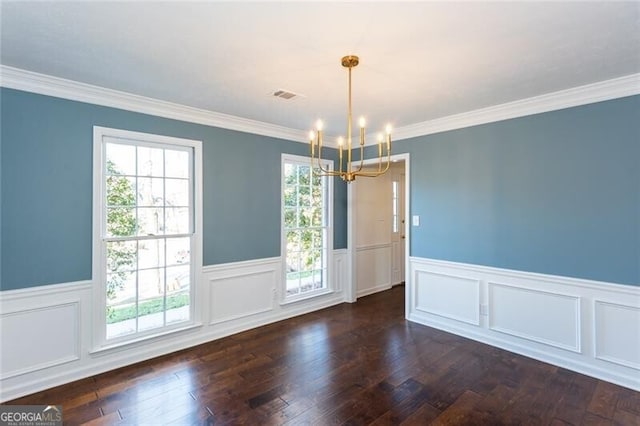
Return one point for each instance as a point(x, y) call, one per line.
point(329, 288)
point(99, 211)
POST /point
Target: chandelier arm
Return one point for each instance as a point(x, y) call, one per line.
point(374, 174)
point(380, 171)
point(320, 153)
point(361, 159)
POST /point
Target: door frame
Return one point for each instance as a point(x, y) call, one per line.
point(350, 294)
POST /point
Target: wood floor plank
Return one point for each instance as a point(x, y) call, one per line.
point(604, 400)
point(462, 411)
point(351, 364)
point(109, 419)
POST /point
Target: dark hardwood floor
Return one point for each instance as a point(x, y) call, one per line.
point(350, 364)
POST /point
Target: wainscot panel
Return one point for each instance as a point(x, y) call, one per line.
point(46, 330)
point(516, 311)
point(617, 333)
point(587, 326)
point(448, 296)
point(39, 330)
point(373, 263)
point(242, 290)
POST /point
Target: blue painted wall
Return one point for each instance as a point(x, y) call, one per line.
point(46, 187)
point(555, 193)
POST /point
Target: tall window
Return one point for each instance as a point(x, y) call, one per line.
point(306, 228)
point(147, 233)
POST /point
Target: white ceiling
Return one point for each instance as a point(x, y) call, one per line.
point(419, 61)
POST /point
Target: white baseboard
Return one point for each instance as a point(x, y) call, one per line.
point(586, 326)
point(370, 290)
point(30, 366)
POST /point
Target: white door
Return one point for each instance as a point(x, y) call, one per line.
point(373, 238)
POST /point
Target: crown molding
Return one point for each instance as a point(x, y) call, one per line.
point(597, 92)
point(15, 78)
point(19, 79)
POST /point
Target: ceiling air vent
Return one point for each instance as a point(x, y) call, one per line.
point(285, 94)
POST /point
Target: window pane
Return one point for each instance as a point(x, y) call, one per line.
point(315, 257)
point(121, 256)
point(121, 320)
point(150, 313)
point(293, 240)
point(150, 161)
point(176, 164)
point(121, 287)
point(178, 279)
point(178, 251)
point(293, 283)
point(177, 192)
point(150, 253)
point(121, 222)
point(316, 216)
point(304, 175)
point(290, 196)
point(150, 191)
point(150, 283)
point(121, 159)
point(304, 196)
point(317, 279)
point(150, 221)
point(290, 218)
point(178, 307)
point(293, 263)
point(289, 174)
point(304, 217)
point(178, 296)
point(121, 307)
point(177, 220)
point(121, 191)
point(317, 199)
point(316, 179)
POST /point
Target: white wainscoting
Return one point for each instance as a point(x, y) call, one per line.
point(516, 311)
point(586, 326)
point(448, 296)
point(623, 346)
point(373, 268)
point(242, 290)
point(46, 331)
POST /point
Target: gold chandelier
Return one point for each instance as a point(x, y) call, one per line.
point(350, 173)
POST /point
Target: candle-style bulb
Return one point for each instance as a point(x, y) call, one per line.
point(340, 141)
point(388, 129)
point(319, 125)
point(362, 122)
point(312, 135)
point(380, 137)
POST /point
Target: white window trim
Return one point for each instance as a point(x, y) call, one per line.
point(100, 342)
point(330, 288)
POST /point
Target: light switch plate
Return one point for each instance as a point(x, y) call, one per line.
point(415, 220)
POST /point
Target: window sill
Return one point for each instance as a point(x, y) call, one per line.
point(306, 296)
point(114, 347)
